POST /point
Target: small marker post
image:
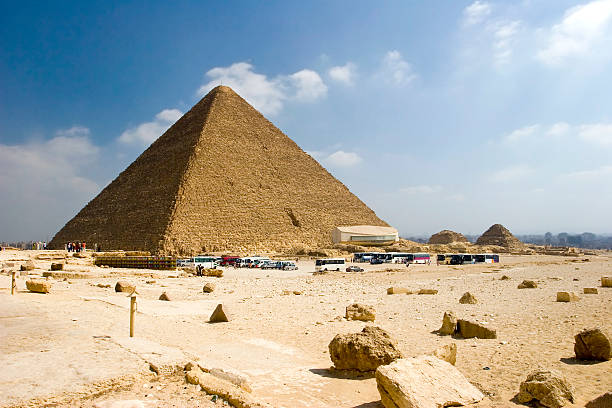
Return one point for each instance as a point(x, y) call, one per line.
point(133, 307)
point(13, 283)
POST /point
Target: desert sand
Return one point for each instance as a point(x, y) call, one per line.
point(71, 347)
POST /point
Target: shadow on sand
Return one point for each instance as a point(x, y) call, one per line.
point(342, 374)
point(575, 361)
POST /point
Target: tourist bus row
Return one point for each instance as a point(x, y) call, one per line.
point(212, 262)
point(422, 258)
point(462, 259)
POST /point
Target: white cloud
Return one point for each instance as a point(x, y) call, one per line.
point(42, 180)
point(504, 34)
point(589, 175)
point(343, 73)
point(423, 189)
point(341, 158)
point(599, 133)
point(519, 135)
point(476, 12)
point(396, 70)
point(559, 129)
point(511, 173)
point(584, 28)
point(308, 85)
point(146, 133)
point(266, 95)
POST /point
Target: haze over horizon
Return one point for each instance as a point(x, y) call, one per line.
point(437, 115)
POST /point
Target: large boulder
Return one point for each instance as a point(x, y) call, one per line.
point(603, 401)
point(208, 288)
point(606, 281)
point(449, 324)
point(363, 351)
point(424, 381)
point(165, 296)
point(125, 286)
point(468, 299)
point(468, 330)
point(27, 266)
point(361, 312)
point(38, 286)
point(592, 344)
point(394, 290)
point(447, 237)
point(549, 388)
point(590, 291)
point(57, 266)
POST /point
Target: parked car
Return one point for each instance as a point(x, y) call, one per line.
point(287, 265)
point(269, 265)
point(354, 269)
point(376, 261)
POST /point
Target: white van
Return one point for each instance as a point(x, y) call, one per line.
point(330, 264)
point(205, 262)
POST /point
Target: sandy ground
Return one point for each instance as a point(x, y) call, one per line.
point(71, 347)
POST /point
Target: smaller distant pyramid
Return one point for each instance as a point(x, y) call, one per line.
point(499, 235)
point(447, 237)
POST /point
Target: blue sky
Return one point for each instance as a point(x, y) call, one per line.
point(437, 114)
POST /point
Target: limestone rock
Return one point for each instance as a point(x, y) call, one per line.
point(217, 273)
point(164, 296)
point(38, 286)
point(606, 281)
point(567, 297)
point(468, 298)
point(57, 266)
point(124, 286)
point(219, 315)
point(208, 288)
point(428, 292)
point(424, 382)
point(549, 388)
point(28, 266)
point(468, 330)
point(449, 324)
point(448, 353)
point(394, 290)
point(504, 277)
point(603, 401)
point(361, 312)
point(363, 351)
point(527, 284)
point(447, 237)
point(590, 291)
point(592, 344)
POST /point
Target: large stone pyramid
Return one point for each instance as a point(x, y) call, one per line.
point(222, 178)
point(447, 237)
point(499, 235)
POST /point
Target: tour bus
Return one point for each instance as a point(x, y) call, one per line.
point(330, 264)
point(469, 259)
point(204, 262)
point(395, 257)
point(486, 258)
point(229, 260)
point(363, 256)
point(444, 259)
point(418, 259)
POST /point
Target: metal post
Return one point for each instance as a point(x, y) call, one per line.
point(132, 313)
point(13, 283)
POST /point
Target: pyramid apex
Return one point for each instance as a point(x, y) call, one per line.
point(222, 89)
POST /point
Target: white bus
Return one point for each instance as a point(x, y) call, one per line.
point(330, 264)
point(204, 262)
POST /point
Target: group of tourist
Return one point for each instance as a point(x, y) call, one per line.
point(39, 245)
point(76, 247)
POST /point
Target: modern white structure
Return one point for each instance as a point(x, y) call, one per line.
point(367, 235)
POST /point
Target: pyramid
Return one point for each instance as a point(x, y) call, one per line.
point(499, 235)
point(222, 178)
point(447, 237)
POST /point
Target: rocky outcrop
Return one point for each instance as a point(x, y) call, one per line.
point(424, 381)
point(549, 388)
point(527, 284)
point(592, 344)
point(603, 401)
point(361, 312)
point(363, 351)
point(499, 235)
point(447, 237)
